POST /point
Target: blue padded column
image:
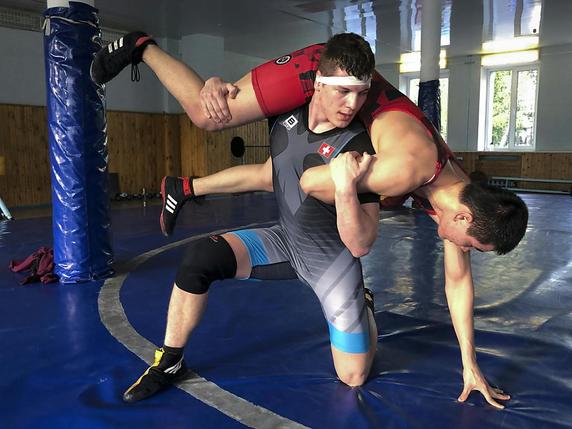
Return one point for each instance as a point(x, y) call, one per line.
point(430, 101)
point(78, 145)
point(429, 94)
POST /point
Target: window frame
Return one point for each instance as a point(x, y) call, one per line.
point(514, 69)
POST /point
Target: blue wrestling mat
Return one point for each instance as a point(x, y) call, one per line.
point(261, 356)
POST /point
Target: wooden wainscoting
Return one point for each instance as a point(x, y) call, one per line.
point(204, 152)
point(24, 146)
point(143, 147)
point(536, 165)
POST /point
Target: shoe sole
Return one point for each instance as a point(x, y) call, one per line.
point(161, 222)
point(130, 398)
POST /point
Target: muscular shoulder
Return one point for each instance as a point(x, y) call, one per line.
point(391, 127)
point(400, 136)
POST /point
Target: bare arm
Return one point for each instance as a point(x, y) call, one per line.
point(215, 106)
point(390, 176)
point(460, 293)
point(357, 223)
point(405, 159)
point(242, 178)
point(317, 182)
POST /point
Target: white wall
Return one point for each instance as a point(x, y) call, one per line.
point(173, 47)
point(237, 65)
point(22, 77)
point(22, 71)
point(22, 74)
point(23, 82)
point(143, 96)
point(390, 72)
point(554, 120)
point(204, 53)
point(207, 56)
point(463, 112)
point(553, 108)
point(147, 95)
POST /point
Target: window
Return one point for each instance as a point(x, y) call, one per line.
point(511, 108)
point(507, 19)
point(410, 13)
point(411, 89)
point(359, 19)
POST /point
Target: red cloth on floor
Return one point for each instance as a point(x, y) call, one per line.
point(39, 264)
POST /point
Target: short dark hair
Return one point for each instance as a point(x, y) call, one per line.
point(499, 215)
point(350, 53)
point(478, 176)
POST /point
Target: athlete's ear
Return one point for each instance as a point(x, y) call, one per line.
point(464, 216)
point(317, 85)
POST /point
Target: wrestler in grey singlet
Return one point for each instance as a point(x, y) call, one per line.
point(307, 235)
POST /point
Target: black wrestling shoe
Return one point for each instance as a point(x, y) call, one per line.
point(166, 370)
point(369, 299)
point(113, 58)
point(175, 192)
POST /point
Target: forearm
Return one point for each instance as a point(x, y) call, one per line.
point(242, 178)
point(358, 230)
point(460, 298)
point(317, 182)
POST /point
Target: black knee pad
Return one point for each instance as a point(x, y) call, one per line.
point(205, 260)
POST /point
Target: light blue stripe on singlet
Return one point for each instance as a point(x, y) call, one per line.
point(254, 246)
point(349, 343)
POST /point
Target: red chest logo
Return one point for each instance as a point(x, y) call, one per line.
point(326, 150)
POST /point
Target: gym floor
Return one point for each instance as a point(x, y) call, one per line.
point(261, 356)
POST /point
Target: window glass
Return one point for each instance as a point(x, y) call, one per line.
point(525, 107)
point(511, 113)
point(500, 121)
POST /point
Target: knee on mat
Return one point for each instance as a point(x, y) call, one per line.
point(353, 378)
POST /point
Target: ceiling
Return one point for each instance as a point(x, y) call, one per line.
point(266, 28)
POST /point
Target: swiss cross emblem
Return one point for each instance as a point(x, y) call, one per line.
point(326, 150)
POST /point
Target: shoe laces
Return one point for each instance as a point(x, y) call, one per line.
point(135, 75)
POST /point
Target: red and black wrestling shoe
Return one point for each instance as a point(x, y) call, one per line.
point(113, 58)
point(175, 192)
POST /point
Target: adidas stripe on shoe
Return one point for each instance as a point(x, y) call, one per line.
point(113, 58)
point(175, 192)
point(166, 370)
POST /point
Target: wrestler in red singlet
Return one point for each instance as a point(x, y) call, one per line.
point(287, 82)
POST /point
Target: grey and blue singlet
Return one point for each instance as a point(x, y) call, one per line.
point(306, 236)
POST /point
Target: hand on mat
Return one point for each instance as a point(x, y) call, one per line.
point(348, 168)
point(474, 380)
point(214, 99)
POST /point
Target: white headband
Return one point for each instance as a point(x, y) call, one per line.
point(342, 80)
